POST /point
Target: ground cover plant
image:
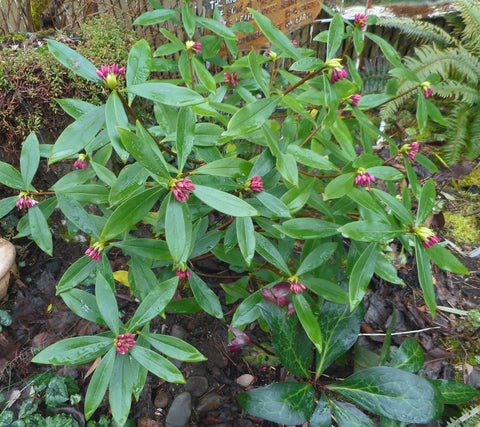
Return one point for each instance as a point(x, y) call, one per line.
point(273, 171)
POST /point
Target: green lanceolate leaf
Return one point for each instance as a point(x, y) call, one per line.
point(10, 177)
point(99, 383)
point(283, 403)
point(73, 61)
point(83, 304)
point(246, 237)
point(218, 28)
point(153, 304)
point(273, 204)
point(393, 393)
point(426, 201)
point(223, 202)
point(348, 415)
point(455, 393)
point(395, 205)
point(129, 213)
point(425, 276)
point(370, 231)
point(40, 230)
point(205, 297)
point(185, 135)
point(287, 167)
point(361, 274)
point(422, 113)
point(408, 357)
point(251, 117)
point(74, 351)
point(206, 79)
point(77, 135)
point(308, 228)
point(310, 158)
point(248, 311)
point(446, 260)
point(146, 248)
point(258, 73)
point(121, 388)
point(335, 36)
point(308, 320)
point(178, 228)
point(138, 66)
point(320, 255)
point(29, 159)
point(270, 252)
point(157, 364)
point(116, 117)
point(107, 304)
point(339, 186)
point(175, 347)
point(156, 16)
point(7, 204)
point(130, 179)
point(233, 167)
point(167, 93)
point(141, 278)
point(340, 328)
point(77, 215)
point(290, 342)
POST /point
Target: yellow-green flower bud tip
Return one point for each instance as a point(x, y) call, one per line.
point(334, 63)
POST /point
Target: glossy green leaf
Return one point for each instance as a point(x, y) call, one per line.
point(386, 173)
point(77, 135)
point(284, 403)
point(216, 27)
point(322, 415)
point(426, 201)
point(129, 213)
point(246, 237)
point(40, 230)
point(251, 117)
point(140, 372)
point(116, 117)
point(77, 215)
point(274, 35)
point(320, 255)
point(326, 289)
point(269, 251)
point(335, 36)
point(310, 158)
point(422, 113)
point(455, 393)
point(99, 383)
point(258, 73)
point(47, 207)
point(104, 174)
point(87, 193)
point(408, 357)
point(223, 202)
point(138, 66)
point(7, 204)
point(339, 186)
point(157, 364)
point(426, 162)
point(393, 393)
point(185, 135)
point(74, 108)
point(291, 344)
point(446, 260)
point(308, 320)
point(348, 415)
point(425, 276)
point(308, 228)
point(287, 167)
point(248, 311)
point(205, 297)
point(188, 20)
point(389, 51)
point(146, 152)
point(361, 274)
point(10, 177)
point(141, 278)
point(370, 231)
point(73, 61)
point(155, 16)
point(204, 76)
point(340, 328)
point(83, 304)
point(107, 304)
point(273, 204)
point(178, 229)
point(175, 347)
point(74, 351)
point(395, 205)
point(131, 178)
point(29, 159)
point(387, 271)
point(147, 248)
point(167, 93)
point(121, 388)
point(153, 304)
point(233, 167)
point(435, 114)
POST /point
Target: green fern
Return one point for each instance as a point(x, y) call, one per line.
point(470, 12)
point(470, 418)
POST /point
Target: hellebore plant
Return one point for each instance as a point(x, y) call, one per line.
point(216, 171)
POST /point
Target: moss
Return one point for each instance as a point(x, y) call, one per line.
point(37, 7)
point(473, 178)
point(462, 228)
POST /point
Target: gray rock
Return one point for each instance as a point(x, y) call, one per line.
point(178, 331)
point(210, 402)
point(180, 411)
point(196, 385)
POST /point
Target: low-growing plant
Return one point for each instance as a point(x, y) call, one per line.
point(272, 171)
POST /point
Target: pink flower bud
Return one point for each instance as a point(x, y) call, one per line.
point(255, 184)
point(95, 251)
point(181, 189)
point(124, 342)
point(110, 74)
point(428, 92)
point(183, 274)
point(337, 74)
point(363, 178)
point(355, 99)
point(361, 20)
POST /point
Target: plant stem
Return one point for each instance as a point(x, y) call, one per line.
point(191, 68)
point(309, 76)
point(312, 133)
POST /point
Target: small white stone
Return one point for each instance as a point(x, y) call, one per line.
point(7, 265)
point(245, 380)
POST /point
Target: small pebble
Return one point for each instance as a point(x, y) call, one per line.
point(196, 385)
point(161, 399)
point(245, 380)
point(180, 411)
point(178, 331)
point(210, 402)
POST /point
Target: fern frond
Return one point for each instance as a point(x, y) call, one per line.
point(455, 90)
point(470, 12)
point(470, 418)
point(457, 133)
point(418, 30)
point(473, 147)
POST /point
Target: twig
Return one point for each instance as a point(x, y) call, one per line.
point(401, 333)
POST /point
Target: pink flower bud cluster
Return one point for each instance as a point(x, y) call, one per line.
point(25, 202)
point(427, 236)
point(114, 69)
point(255, 184)
point(231, 78)
point(241, 338)
point(361, 20)
point(431, 241)
point(338, 74)
point(297, 287)
point(295, 43)
point(183, 274)
point(428, 92)
point(412, 150)
point(125, 342)
point(363, 178)
point(181, 189)
point(355, 99)
point(81, 162)
point(95, 251)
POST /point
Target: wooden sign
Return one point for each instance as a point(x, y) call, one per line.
point(286, 15)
